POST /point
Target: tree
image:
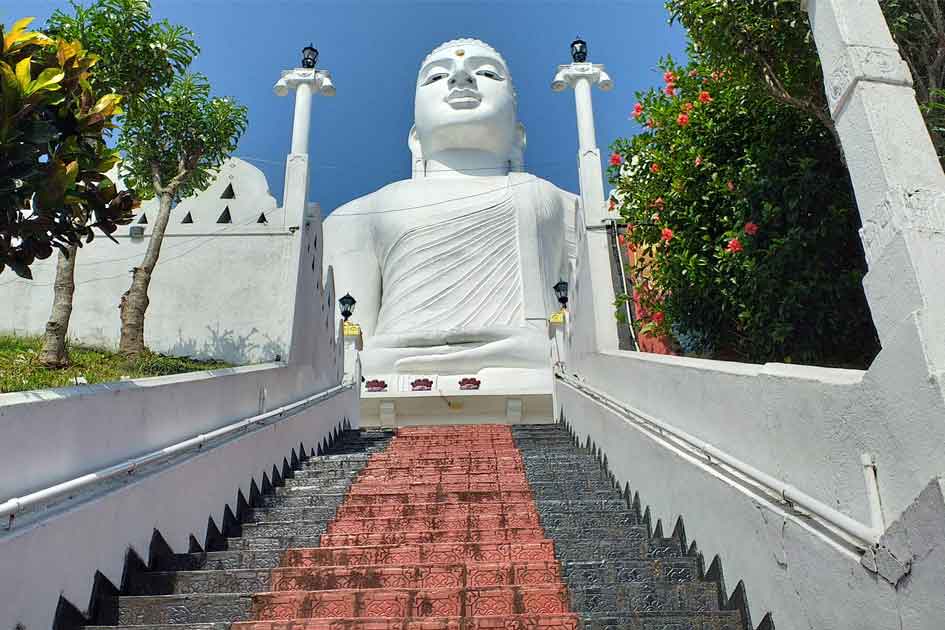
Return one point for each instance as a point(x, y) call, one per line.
point(770, 41)
point(171, 142)
point(136, 57)
point(53, 158)
point(741, 214)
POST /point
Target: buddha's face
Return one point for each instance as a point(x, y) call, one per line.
point(465, 101)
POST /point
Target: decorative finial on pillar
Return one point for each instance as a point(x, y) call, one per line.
point(309, 56)
point(579, 50)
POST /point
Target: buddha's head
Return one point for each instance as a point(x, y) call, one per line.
point(465, 101)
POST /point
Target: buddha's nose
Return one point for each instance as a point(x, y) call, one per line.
point(461, 78)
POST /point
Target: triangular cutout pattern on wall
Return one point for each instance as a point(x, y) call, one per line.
point(262, 218)
point(228, 193)
point(225, 216)
point(188, 219)
point(143, 219)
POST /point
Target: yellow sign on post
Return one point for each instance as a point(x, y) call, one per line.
point(352, 330)
point(558, 318)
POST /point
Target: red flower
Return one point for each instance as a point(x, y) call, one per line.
point(734, 246)
point(655, 167)
point(666, 234)
point(659, 203)
point(638, 110)
point(699, 161)
point(730, 185)
point(651, 123)
point(670, 89)
point(751, 228)
point(669, 76)
point(683, 120)
point(688, 107)
point(657, 317)
point(621, 239)
point(615, 159)
point(705, 97)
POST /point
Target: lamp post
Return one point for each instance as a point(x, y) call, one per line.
point(581, 75)
point(561, 290)
point(347, 306)
point(306, 81)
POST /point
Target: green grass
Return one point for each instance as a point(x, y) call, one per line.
point(20, 369)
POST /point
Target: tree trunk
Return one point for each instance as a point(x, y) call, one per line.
point(134, 302)
point(54, 353)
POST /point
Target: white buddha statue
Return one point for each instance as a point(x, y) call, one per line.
point(453, 269)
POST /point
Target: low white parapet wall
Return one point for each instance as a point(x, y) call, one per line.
point(54, 436)
point(807, 427)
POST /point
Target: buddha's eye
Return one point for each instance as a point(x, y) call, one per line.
point(433, 78)
point(490, 75)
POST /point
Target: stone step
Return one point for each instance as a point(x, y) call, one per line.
point(328, 578)
point(325, 474)
point(302, 499)
point(429, 553)
point(221, 560)
point(317, 514)
point(465, 521)
point(590, 519)
point(433, 509)
point(433, 536)
point(180, 609)
point(587, 574)
point(640, 598)
point(578, 506)
point(511, 496)
point(615, 549)
point(327, 486)
point(728, 620)
point(284, 529)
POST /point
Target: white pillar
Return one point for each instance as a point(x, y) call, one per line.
point(306, 82)
point(597, 286)
point(303, 117)
point(897, 178)
point(581, 76)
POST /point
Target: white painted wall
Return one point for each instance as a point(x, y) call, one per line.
point(54, 436)
point(808, 426)
point(219, 291)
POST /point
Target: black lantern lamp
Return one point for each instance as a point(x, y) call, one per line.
point(347, 306)
point(561, 290)
point(579, 50)
point(309, 56)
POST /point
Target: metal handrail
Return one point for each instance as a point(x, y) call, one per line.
point(16, 505)
point(862, 536)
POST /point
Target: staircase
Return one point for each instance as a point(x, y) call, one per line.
point(462, 528)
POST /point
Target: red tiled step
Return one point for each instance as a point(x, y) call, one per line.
point(416, 576)
point(505, 622)
point(400, 603)
point(424, 468)
point(432, 536)
point(509, 496)
point(435, 476)
point(449, 486)
point(465, 520)
point(424, 553)
point(434, 509)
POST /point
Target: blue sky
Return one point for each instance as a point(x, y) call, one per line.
point(373, 49)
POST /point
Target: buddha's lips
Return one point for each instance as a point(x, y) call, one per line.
point(464, 98)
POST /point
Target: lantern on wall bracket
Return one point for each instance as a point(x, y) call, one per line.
point(309, 56)
point(347, 306)
point(561, 290)
point(579, 50)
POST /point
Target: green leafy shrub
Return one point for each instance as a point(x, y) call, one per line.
point(741, 216)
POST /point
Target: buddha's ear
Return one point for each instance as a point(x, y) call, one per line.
point(416, 152)
point(517, 157)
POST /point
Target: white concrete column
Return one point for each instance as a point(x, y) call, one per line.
point(596, 286)
point(897, 178)
point(303, 117)
point(581, 76)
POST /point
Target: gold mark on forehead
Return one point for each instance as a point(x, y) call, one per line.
point(460, 52)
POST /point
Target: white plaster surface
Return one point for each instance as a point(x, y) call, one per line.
point(219, 291)
point(57, 435)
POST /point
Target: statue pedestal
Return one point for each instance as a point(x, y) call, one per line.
point(492, 396)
